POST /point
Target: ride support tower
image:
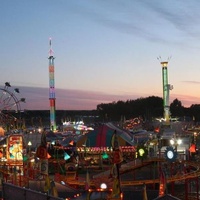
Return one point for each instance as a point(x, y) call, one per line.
point(52, 98)
point(166, 88)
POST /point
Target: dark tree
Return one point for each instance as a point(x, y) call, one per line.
point(147, 108)
point(176, 108)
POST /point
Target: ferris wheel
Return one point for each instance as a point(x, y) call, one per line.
point(9, 107)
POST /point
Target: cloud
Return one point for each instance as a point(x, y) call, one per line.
point(130, 21)
point(66, 99)
point(186, 100)
point(184, 16)
point(69, 99)
point(192, 82)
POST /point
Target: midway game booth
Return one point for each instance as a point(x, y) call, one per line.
point(14, 160)
point(18, 164)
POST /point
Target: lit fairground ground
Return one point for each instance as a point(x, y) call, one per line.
point(105, 163)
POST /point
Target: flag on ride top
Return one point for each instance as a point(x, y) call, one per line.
point(145, 192)
point(113, 171)
point(54, 191)
point(117, 159)
point(87, 181)
point(117, 155)
point(47, 185)
point(88, 195)
point(162, 186)
point(114, 141)
point(116, 190)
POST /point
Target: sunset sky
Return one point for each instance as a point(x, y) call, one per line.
point(105, 50)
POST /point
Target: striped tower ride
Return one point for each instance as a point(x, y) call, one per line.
point(52, 98)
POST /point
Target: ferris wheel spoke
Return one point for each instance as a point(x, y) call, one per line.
point(9, 105)
point(1, 97)
point(7, 100)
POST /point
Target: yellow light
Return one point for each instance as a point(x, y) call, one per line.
point(141, 152)
point(164, 64)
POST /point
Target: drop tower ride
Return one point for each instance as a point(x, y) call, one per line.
point(52, 98)
point(166, 88)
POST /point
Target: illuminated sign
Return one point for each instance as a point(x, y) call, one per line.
point(170, 154)
point(15, 148)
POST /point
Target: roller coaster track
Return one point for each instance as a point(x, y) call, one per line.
point(177, 178)
point(131, 166)
point(104, 177)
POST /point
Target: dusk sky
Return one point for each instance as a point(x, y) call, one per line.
point(105, 50)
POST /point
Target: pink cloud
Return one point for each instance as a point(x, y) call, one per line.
point(66, 99)
point(38, 99)
point(187, 100)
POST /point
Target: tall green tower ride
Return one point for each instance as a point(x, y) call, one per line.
point(166, 88)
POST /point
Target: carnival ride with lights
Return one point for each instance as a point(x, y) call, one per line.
point(178, 167)
point(18, 166)
point(10, 108)
point(185, 174)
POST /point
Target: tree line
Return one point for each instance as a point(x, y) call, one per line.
point(148, 108)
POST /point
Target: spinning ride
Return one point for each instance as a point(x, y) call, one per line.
point(10, 107)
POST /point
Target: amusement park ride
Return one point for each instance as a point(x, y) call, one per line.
point(10, 108)
point(19, 165)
